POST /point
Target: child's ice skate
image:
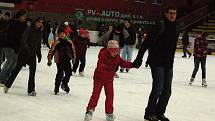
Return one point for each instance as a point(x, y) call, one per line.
point(204, 84)
point(65, 87)
point(110, 117)
point(88, 115)
point(191, 81)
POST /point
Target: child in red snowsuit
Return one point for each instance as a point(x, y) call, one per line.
point(108, 60)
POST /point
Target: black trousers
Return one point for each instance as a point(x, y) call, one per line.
point(82, 65)
point(31, 61)
point(197, 61)
point(161, 90)
point(64, 72)
point(185, 51)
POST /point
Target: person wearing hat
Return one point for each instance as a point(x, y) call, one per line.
point(200, 56)
point(30, 50)
point(108, 61)
point(12, 44)
point(63, 50)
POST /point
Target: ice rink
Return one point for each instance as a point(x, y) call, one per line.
point(187, 103)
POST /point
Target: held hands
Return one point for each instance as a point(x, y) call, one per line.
point(137, 63)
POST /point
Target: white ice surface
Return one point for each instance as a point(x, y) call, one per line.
point(187, 103)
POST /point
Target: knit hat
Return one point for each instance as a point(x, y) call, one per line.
point(112, 44)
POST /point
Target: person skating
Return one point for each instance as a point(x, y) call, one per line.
point(185, 42)
point(200, 55)
point(30, 49)
point(129, 41)
point(108, 60)
point(63, 50)
point(81, 43)
point(162, 47)
point(12, 43)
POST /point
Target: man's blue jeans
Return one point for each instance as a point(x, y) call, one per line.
point(161, 90)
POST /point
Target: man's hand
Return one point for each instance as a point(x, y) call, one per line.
point(137, 63)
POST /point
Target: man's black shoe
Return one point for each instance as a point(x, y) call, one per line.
point(162, 118)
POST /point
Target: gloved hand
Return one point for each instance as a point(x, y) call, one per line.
point(49, 63)
point(137, 63)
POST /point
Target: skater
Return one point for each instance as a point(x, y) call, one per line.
point(161, 43)
point(81, 43)
point(185, 42)
point(12, 43)
point(200, 55)
point(30, 49)
point(108, 60)
point(128, 42)
point(63, 49)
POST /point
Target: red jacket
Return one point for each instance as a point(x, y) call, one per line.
point(107, 65)
point(200, 47)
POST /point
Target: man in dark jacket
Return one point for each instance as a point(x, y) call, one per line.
point(162, 46)
point(130, 38)
point(185, 42)
point(30, 48)
point(11, 43)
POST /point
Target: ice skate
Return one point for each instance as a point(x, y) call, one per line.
point(6, 89)
point(110, 117)
point(56, 90)
point(127, 70)
point(65, 87)
point(33, 93)
point(81, 73)
point(204, 84)
point(191, 81)
point(121, 70)
point(88, 115)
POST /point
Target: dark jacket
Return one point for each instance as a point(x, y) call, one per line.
point(132, 36)
point(62, 50)
point(14, 35)
point(31, 43)
point(161, 47)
